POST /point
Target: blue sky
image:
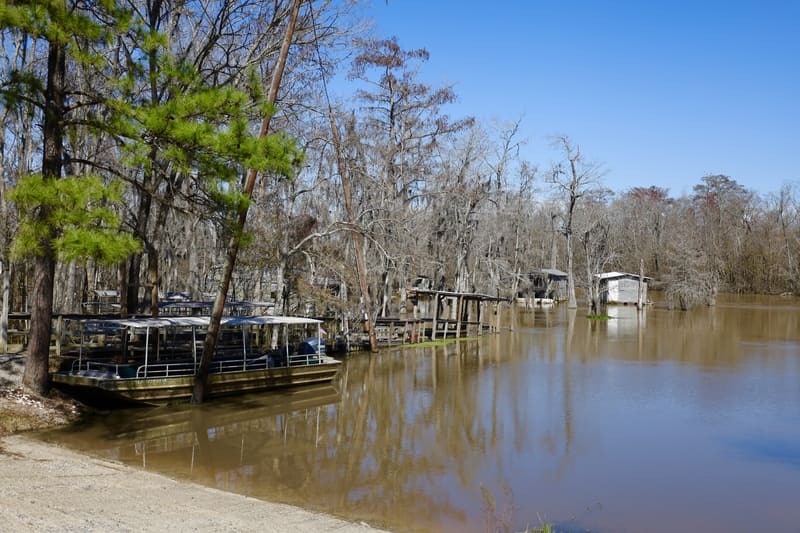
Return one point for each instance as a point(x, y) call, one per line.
point(659, 92)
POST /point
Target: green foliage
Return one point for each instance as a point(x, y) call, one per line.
point(186, 129)
point(198, 130)
point(501, 519)
point(56, 22)
point(75, 214)
point(547, 528)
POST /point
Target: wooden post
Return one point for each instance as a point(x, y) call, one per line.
point(459, 312)
point(6, 283)
point(640, 299)
point(435, 315)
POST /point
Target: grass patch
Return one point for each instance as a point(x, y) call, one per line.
point(498, 516)
point(440, 342)
point(547, 528)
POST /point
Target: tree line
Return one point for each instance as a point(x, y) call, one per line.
point(128, 128)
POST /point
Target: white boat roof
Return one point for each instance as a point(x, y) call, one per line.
point(201, 321)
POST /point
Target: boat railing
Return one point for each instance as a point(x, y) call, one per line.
point(304, 359)
point(188, 368)
point(175, 369)
point(165, 370)
point(95, 367)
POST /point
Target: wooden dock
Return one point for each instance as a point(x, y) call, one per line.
point(437, 315)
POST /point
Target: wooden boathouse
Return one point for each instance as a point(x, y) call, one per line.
point(545, 284)
point(455, 314)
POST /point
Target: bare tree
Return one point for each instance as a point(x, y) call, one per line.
point(723, 208)
point(689, 277)
point(595, 226)
point(784, 209)
point(572, 178)
point(642, 213)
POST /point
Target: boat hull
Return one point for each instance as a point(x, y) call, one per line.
point(164, 390)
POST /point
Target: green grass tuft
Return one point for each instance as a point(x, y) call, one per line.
point(441, 342)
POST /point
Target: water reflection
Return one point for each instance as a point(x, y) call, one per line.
point(653, 421)
point(771, 450)
point(215, 443)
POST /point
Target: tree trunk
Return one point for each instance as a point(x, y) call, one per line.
point(130, 298)
point(152, 278)
point(71, 293)
point(4, 264)
point(36, 376)
point(153, 266)
point(592, 294)
point(358, 238)
point(134, 268)
point(192, 282)
point(553, 242)
point(572, 303)
point(5, 267)
point(122, 283)
point(200, 390)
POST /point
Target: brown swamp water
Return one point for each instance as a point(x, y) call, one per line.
point(666, 421)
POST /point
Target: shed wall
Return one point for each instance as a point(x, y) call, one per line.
point(624, 291)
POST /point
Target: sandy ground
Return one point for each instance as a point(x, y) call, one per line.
point(47, 488)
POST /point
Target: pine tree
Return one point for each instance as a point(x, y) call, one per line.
point(177, 123)
point(48, 227)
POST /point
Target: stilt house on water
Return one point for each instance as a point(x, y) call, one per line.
point(545, 284)
point(621, 288)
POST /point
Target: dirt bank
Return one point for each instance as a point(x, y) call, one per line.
point(20, 411)
point(48, 488)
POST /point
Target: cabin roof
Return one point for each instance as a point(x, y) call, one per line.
point(614, 275)
point(550, 272)
point(465, 295)
point(210, 303)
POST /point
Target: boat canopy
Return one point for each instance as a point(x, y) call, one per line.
point(200, 321)
point(195, 322)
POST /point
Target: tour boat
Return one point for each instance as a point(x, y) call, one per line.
point(154, 360)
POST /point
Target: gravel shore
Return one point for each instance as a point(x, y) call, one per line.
point(44, 487)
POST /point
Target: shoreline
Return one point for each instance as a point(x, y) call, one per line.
point(49, 488)
point(46, 487)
